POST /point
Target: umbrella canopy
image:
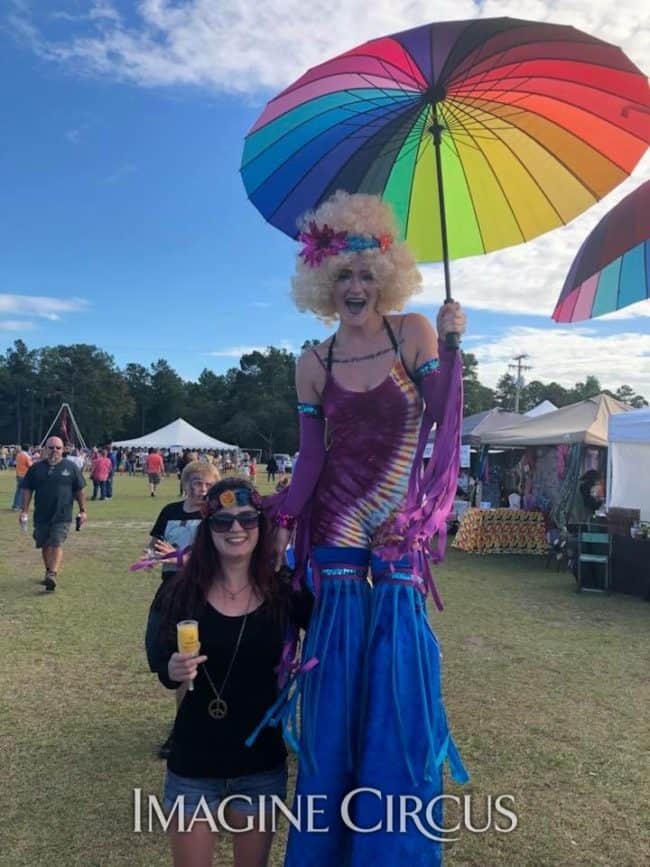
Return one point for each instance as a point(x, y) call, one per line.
point(526, 123)
point(612, 268)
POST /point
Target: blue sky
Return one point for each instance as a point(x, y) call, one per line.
point(124, 223)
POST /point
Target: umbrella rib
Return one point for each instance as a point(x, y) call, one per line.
point(419, 119)
point(560, 100)
point(291, 190)
point(484, 54)
point(327, 75)
point(553, 155)
point(531, 176)
point(477, 124)
point(480, 83)
point(467, 184)
point(346, 108)
point(500, 185)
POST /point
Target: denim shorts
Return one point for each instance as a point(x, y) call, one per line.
point(215, 789)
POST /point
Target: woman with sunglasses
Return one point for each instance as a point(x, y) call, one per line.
point(243, 609)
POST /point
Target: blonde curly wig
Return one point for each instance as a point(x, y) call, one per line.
point(395, 270)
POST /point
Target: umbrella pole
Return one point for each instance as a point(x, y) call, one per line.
point(452, 340)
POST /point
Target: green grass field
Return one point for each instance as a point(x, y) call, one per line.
point(548, 693)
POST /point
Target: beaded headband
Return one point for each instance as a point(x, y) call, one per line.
point(322, 241)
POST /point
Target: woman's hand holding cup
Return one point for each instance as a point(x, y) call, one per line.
point(184, 666)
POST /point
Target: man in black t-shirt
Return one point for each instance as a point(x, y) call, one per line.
point(175, 529)
point(55, 483)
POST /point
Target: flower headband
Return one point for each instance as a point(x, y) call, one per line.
point(232, 497)
point(320, 242)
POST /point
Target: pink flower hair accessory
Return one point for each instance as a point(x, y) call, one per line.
point(321, 242)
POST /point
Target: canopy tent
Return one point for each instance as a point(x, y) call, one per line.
point(541, 409)
point(177, 434)
point(483, 423)
point(628, 460)
point(584, 422)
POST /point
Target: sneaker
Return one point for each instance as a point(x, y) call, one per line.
point(49, 583)
point(164, 751)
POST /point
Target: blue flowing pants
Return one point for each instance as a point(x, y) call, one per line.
point(372, 718)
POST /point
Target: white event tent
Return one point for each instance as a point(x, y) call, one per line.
point(628, 461)
point(176, 435)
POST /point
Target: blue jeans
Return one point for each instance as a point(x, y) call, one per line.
point(99, 487)
point(18, 496)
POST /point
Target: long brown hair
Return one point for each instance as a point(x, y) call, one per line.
point(185, 595)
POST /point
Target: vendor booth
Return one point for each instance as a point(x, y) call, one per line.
point(555, 452)
point(546, 457)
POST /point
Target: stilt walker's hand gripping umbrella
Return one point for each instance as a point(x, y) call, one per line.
point(481, 134)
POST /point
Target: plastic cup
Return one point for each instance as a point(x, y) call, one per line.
point(187, 639)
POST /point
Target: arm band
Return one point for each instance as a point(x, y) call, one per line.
point(311, 459)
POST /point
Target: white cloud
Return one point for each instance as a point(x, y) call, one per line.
point(235, 351)
point(40, 306)
point(16, 325)
point(99, 11)
point(245, 45)
point(238, 351)
point(568, 355)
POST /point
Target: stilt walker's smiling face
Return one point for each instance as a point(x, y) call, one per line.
point(356, 293)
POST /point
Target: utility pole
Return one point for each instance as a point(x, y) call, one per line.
point(519, 381)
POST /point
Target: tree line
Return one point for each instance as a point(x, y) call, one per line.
point(253, 405)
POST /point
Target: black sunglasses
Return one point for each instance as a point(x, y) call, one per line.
point(222, 522)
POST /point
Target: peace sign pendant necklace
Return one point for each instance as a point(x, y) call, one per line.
point(218, 708)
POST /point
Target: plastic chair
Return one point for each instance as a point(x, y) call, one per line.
point(602, 543)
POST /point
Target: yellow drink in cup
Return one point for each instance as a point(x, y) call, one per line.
point(187, 638)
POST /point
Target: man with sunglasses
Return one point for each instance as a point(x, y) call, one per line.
point(55, 483)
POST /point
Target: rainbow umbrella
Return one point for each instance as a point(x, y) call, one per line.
point(612, 268)
point(527, 123)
